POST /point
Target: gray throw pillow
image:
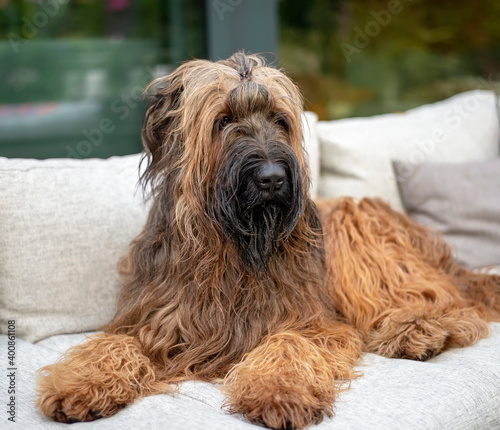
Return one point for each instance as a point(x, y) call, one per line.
point(461, 201)
point(64, 225)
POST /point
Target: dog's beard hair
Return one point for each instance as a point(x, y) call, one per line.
point(254, 224)
point(260, 239)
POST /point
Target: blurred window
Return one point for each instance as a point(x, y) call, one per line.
point(72, 71)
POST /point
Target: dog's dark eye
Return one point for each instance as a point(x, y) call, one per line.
point(225, 120)
point(282, 123)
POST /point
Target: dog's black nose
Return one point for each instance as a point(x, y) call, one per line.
point(270, 177)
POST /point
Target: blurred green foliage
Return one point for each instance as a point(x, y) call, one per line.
point(363, 57)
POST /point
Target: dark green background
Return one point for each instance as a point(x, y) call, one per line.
point(71, 71)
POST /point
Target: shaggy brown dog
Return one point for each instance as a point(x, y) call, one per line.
point(238, 276)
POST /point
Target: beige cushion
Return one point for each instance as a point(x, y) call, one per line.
point(64, 225)
point(356, 153)
point(461, 201)
point(311, 146)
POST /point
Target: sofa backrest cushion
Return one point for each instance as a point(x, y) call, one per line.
point(356, 153)
point(461, 201)
point(311, 146)
point(64, 225)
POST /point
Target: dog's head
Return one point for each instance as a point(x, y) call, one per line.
point(224, 147)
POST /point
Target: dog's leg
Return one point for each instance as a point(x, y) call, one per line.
point(95, 379)
point(482, 289)
point(392, 280)
point(423, 330)
point(293, 378)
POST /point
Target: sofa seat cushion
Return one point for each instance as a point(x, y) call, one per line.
point(458, 389)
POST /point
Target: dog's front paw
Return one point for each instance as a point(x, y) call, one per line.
point(408, 334)
point(68, 402)
point(291, 381)
point(96, 378)
point(290, 409)
point(68, 410)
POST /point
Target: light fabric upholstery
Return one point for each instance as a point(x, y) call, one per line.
point(461, 201)
point(356, 153)
point(459, 389)
point(64, 225)
point(311, 145)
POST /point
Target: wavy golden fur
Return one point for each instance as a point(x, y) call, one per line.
point(238, 275)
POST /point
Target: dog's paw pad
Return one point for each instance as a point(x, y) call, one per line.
point(70, 417)
point(424, 357)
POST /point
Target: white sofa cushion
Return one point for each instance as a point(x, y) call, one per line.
point(65, 224)
point(311, 146)
point(459, 389)
point(356, 153)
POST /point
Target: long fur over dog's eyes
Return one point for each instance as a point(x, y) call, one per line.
point(185, 104)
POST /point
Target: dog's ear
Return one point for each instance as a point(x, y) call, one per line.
point(159, 132)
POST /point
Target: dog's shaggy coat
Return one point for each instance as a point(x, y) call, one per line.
point(239, 277)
